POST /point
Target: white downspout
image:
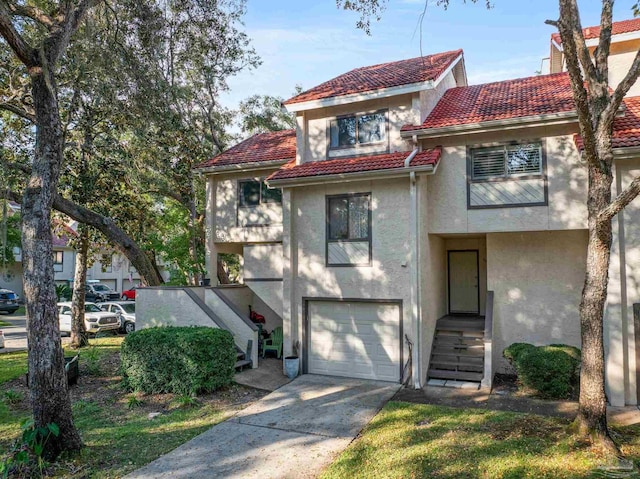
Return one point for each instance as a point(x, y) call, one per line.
point(414, 268)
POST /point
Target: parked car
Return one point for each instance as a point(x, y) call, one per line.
point(126, 311)
point(96, 291)
point(8, 301)
point(95, 320)
point(130, 294)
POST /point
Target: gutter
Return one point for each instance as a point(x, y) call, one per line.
point(510, 124)
point(630, 152)
point(240, 167)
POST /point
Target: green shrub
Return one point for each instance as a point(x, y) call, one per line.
point(551, 371)
point(181, 360)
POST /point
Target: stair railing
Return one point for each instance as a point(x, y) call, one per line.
point(487, 379)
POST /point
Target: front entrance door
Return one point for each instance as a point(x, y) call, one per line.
point(464, 282)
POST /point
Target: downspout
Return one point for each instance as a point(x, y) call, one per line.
point(414, 268)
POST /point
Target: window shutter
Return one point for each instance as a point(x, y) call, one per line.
point(488, 163)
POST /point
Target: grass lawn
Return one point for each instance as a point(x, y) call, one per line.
point(117, 431)
point(422, 441)
point(5, 323)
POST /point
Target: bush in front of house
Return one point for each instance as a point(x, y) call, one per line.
point(550, 371)
point(181, 360)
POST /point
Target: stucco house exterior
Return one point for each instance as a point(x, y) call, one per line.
point(409, 214)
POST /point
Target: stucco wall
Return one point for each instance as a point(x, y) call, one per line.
point(400, 112)
point(388, 276)
point(223, 193)
point(243, 296)
point(430, 98)
point(447, 199)
point(12, 279)
point(623, 292)
point(537, 278)
point(169, 307)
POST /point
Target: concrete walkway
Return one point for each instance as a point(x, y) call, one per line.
point(268, 376)
point(293, 432)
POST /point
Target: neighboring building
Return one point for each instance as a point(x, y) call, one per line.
point(407, 205)
point(116, 271)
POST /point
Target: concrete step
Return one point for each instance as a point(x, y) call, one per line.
point(457, 366)
point(461, 333)
point(458, 359)
point(468, 352)
point(242, 364)
point(460, 324)
point(457, 340)
point(459, 375)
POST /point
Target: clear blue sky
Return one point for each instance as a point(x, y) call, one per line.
point(306, 42)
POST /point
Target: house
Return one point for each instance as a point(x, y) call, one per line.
point(409, 213)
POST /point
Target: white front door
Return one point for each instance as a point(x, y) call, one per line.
point(354, 339)
point(463, 282)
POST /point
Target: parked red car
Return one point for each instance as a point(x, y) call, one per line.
point(130, 294)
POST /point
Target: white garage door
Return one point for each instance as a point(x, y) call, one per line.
point(354, 339)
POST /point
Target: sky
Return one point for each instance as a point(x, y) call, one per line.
point(306, 42)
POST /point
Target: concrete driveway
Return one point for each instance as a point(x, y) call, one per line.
point(292, 433)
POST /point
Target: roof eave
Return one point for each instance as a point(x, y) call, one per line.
point(372, 94)
point(593, 42)
point(257, 165)
point(355, 176)
point(626, 153)
point(488, 126)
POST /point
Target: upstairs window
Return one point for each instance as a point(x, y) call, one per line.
point(254, 193)
point(351, 131)
point(506, 161)
point(58, 261)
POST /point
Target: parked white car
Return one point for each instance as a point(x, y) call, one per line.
point(126, 311)
point(95, 320)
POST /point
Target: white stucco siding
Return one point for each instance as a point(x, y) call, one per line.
point(232, 224)
point(623, 292)
point(388, 276)
point(169, 307)
point(566, 209)
point(620, 60)
point(537, 279)
point(430, 98)
point(263, 273)
point(400, 112)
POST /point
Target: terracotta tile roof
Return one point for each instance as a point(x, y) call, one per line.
point(384, 75)
point(626, 128)
point(272, 146)
point(617, 28)
point(340, 166)
point(532, 96)
point(61, 234)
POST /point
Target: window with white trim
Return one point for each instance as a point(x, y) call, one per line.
point(506, 161)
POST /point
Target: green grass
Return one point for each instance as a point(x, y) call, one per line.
point(12, 365)
point(423, 441)
point(5, 323)
point(118, 438)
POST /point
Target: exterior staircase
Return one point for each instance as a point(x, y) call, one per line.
point(458, 349)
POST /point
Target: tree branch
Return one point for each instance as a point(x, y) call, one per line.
point(16, 110)
point(59, 39)
point(20, 47)
point(630, 193)
point(34, 13)
point(601, 53)
point(570, 29)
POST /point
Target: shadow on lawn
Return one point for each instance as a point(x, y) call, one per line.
point(438, 442)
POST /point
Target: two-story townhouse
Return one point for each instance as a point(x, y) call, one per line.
point(411, 216)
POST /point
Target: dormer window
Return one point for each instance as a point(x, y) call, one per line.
point(355, 130)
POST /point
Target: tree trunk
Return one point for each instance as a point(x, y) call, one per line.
point(79, 336)
point(592, 415)
point(47, 378)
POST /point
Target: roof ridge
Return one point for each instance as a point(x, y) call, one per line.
point(448, 52)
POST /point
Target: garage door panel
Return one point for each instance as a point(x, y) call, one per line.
point(359, 339)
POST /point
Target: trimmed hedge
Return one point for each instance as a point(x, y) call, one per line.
point(551, 371)
point(181, 360)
